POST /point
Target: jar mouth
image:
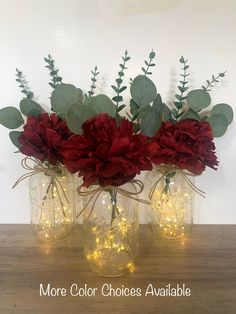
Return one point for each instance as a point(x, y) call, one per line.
point(172, 167)
point(58, 169)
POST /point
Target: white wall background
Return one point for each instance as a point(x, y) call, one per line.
point(80, 34)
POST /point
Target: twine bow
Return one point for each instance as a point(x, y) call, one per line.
point(168, 169)
point(95, 193)
point(39, 167)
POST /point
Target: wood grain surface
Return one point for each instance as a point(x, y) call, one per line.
point(205, 262)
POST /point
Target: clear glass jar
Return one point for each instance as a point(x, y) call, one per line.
point(171, 214)
point(111, 229)
point(53, 203)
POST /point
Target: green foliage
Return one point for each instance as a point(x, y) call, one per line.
point(149, 63)
point(63, 96)
point(14, 138)
point(30, 108)
point(225, 110)
point(76, 115)
point(220, 118)
point(162, 108)
point(134, 108)
point(94, 80)
point(102, 103)
point(143, 90)
point(118, 88)
point(53, 72)
point(210, 83)
point(190, 114)
point(198, 99)
point(150, 121)
point(147, 110)
point(174, 113)
point(219, 124)
point(78, 112)
point(23, 84)
point(182, 86)
point(11, 118)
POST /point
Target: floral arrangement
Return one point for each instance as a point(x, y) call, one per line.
point(43, 136)
point(187, 144)
point(108, 142)
point(106, 153)
point(90, 135)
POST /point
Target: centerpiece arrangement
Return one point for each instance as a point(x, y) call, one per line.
point(52, 188)
point(108, 145)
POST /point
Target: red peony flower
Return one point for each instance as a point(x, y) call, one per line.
point(105, 153)
point(187, 144)
point(43, 137)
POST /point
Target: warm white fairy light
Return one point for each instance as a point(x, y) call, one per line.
point(52, 215)
point(170, 212)
point(111, 247)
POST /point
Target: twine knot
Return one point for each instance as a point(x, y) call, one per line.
point(39, 167)
point(95, 193)
point(165, 170)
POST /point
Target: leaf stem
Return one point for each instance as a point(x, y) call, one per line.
point(23, 84)
point(113, 195)
point(177, 113)
point(94, 80)
point(149, 63)
point(214, 80)
point(55, 78)
point(118, 89)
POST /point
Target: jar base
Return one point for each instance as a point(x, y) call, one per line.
point(52, 234)
point(171, 234)
point(110, 263)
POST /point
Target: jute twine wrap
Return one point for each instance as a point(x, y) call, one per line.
point(94, 194)
point(39, 167)
point(168, 169)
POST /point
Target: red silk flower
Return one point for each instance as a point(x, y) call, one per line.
point(106, 153)
point(187, 144)
point(43, 137)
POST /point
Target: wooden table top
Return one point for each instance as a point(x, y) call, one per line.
point(205, 262)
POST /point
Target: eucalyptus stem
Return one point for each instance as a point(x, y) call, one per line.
point(118, 88)
point(168, 177)
point(94, 80)
point(113, 195)
point(23, 84)
point(53, 72)
point(149, 63)
point(180, 98)
point(213, 80)
point(184, 82)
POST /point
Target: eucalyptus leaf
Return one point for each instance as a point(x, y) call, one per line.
point(11, 118)
point(163, 108)
point(198, 99)
point(76, 115)
point(190, 114)
point(143, 90)
point(29, 107)
point(225, 110)
point(165, 112)
point(219, 124)
point(158, 102)
point(14, 138)
point(151, 121)
point(117, 99)
point(63, 96)
point(152, 55)
point(121, 108)
point(102, 103)
point(174, 112)
point(143, 111)
point(133, 107)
